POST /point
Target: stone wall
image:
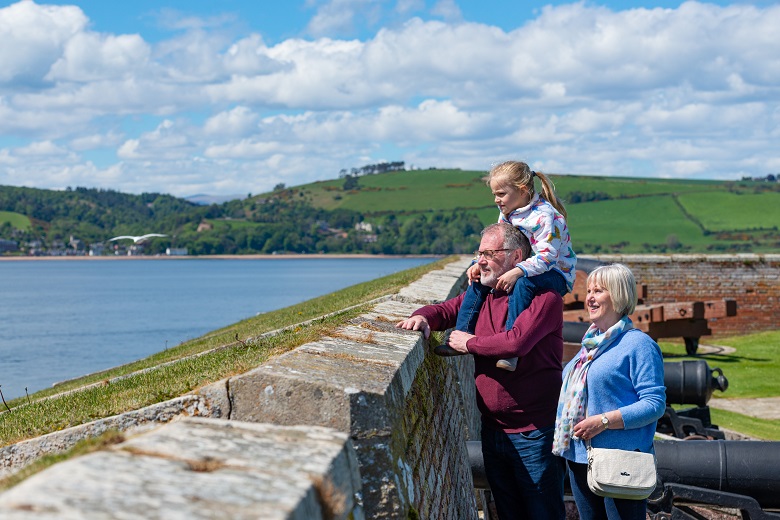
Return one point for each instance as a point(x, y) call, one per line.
point(752, 280)
point(364, 423)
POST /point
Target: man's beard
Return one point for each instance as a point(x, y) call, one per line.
point(490, 279)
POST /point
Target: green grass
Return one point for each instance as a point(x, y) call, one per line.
point(725, 211)
point(16, 220)
point(165, 382)
point(751, 372)
point(632, 221)
point(406, 191)
point(626, 186)
point(641, 217)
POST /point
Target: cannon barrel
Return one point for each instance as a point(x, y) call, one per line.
point(692, 382)
point(573, 331)
point(748, 468)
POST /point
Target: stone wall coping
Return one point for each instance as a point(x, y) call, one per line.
point(201, 468)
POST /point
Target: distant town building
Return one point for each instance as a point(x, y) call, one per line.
point(76, 243)
point(176, 251)
point(7, 246)
point(96, 249)
point(364, 226)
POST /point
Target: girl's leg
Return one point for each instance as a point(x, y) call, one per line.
point(521, 296)
point(469, 309)
point(468, 313)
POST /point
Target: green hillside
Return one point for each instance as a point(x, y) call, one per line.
point(436, 211)
point(606, 214)
point(15, 220)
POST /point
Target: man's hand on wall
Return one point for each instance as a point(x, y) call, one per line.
point(415, 323)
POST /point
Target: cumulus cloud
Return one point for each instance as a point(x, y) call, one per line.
point(690, 91)
point(33, 37)
point(334, 17)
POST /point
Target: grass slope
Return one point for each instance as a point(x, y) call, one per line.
point(751, 371)
point(228, 356)
point(16, 220)
point(641, 215)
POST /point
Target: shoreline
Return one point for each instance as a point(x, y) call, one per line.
point(314, 256)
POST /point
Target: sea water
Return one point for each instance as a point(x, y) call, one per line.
point(61, 319)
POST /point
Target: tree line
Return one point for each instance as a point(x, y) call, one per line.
point(281, 222)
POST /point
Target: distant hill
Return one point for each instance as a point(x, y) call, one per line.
point(606, 214)
point(202, 199)
point(434, 211)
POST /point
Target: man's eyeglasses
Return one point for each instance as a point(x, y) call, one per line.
point(489, 254)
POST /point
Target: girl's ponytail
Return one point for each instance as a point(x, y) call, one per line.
point(548, 192)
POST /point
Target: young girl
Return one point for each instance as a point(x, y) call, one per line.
point(543, 220)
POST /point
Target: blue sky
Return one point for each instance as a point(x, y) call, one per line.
point(233, 97)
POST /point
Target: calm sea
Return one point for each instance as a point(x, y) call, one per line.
point(63, 319)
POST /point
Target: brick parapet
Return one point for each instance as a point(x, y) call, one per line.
point(753, 280)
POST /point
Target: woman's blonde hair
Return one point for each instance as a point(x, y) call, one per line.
point(520, 175)
point(620, 283)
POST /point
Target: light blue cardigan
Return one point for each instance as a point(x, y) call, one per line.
point(629, 376)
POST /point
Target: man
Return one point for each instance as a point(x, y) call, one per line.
point(517, 408)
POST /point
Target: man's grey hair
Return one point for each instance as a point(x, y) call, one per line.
point(513, 237)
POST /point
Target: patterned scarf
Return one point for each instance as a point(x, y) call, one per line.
point(574, 392)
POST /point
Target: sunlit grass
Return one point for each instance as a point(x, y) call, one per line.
point(751, 371)
point(161, 382)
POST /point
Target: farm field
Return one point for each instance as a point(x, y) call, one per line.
point(17, 220)
point(616, 214)
point(605, 215)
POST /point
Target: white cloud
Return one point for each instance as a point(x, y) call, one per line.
point(335, 17)
point(688, 91)
point(236, 122)
point(92, 57)
point(33, 37)
point(448, 10)
point(167, 142)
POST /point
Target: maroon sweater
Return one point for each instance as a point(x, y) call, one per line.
point(527, 398)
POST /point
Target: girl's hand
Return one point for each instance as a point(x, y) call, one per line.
point(508, 279)
point(473, 273)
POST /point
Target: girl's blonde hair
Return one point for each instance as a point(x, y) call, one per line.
point(520, 175)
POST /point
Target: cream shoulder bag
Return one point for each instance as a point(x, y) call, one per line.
point(623, 474)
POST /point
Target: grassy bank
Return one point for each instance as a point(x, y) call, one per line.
point(180, 370)
point(751, 370)
point(231, 350)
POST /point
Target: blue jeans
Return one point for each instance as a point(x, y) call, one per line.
point(525, 478)
point(519, 299)
point(593, 507)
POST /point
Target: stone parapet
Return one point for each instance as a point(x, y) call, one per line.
point(402, 413)
point(19, 455)
point(201, 469)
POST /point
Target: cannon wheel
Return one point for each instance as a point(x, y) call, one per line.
point(691, 345)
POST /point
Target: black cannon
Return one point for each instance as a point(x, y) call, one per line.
point(690, 382)
point(743, 475)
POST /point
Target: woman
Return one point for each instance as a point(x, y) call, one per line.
point(613, 392)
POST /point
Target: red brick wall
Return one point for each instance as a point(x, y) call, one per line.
point(752, 280)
